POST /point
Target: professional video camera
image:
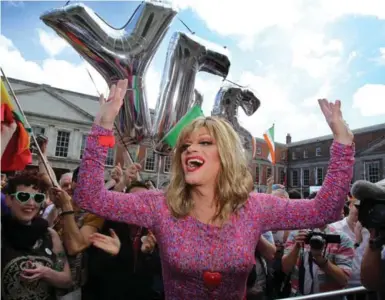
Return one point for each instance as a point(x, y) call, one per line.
point(317, 240)
point(371, 207)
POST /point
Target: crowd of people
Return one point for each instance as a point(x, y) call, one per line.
point(206, 236)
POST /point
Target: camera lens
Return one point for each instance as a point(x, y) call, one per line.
point(316, 242)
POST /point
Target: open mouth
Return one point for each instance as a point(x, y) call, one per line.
point(194, 163)
point(28, 210)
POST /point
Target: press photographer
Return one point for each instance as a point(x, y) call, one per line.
point(318, 261)
point(371, 214)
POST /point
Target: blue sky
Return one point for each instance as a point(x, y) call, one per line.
point(289, 52)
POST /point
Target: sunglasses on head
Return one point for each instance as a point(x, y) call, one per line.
point(23, 197)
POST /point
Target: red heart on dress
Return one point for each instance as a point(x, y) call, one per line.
point(212, 279)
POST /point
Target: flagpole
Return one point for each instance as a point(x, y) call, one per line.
point(39, 152)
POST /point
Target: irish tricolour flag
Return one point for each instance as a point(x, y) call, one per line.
point(269, 138)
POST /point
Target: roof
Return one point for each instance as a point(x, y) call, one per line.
point(88, 104)
point(330, 136)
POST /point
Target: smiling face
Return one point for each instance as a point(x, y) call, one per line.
point(200, 158)
point(25, 203)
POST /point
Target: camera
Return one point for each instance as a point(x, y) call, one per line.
point(317, 240)
point(371, 213)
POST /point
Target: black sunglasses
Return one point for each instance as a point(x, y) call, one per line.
point(23, 197)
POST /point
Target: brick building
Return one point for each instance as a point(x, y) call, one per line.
point(308, 160)
point(262, 169)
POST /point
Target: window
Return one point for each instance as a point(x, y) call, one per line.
point(305, 154)
point(150, 160)
point(259, 150)
point(282, 177)
point(110, 157)
point(268, 172)
point(257, 174)
point(83, 146)
point(320, 176)
point(318, 151)
point(293, 156)
point(167, 164)
point(62, 143)
point(294, 178)
point(306, 177)
point(38, 130)
point(372, 171)
point(283, 155)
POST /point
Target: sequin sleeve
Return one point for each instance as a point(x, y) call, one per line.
point(274, 213)
point(90, 194)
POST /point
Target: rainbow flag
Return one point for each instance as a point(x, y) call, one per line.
point(17, 154)
point(269, 139)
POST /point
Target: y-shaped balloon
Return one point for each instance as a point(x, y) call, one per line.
point(118, 53)
point(187, 55)
point(227, 101)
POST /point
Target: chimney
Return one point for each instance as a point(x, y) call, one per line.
point(288, 139)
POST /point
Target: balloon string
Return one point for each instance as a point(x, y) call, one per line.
point(185, 25)
point(93, 81)
point(193, 32)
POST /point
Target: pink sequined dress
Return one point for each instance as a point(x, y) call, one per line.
point(188, 247)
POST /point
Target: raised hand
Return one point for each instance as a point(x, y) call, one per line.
point(117, 173)
point(333, 116)
point(148, 243)
point(130, 174)
point(109, 108)
point(60, 197)
point(110, 244)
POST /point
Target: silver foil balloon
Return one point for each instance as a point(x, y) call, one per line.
point(187, 55)
point(198, 98)
point(226, 104)
point(118, 53)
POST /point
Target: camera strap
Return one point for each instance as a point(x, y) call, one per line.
point(302, 272)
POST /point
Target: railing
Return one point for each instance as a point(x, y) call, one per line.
point(330, 294)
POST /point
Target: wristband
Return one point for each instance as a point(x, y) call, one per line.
point(68, 212)
point(107, 141)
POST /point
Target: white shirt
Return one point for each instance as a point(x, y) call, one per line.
point(355, 279)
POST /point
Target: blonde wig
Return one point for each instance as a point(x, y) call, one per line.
point(234, 181)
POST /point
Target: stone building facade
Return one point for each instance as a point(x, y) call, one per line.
point(65, 118)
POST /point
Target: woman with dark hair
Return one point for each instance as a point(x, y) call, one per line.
point(33, 261)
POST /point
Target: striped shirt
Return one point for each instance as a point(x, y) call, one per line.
point(341, 255)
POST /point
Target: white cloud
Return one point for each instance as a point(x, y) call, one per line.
point(62, 74)
point(51, 42)
point(315, 54)
point(322, 93)
point(370, 100)
point(247, 18)
point(277, 107)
